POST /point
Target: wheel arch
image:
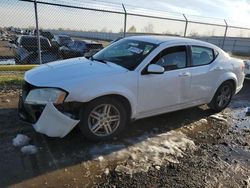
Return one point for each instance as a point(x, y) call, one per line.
point(229, 77)
point(124, 100)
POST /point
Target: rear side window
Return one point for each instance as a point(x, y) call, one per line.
point(31, 42)
point(201, 55)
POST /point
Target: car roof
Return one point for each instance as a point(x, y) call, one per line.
point(169, 39)
point(63, 36)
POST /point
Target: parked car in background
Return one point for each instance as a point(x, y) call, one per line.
point(247, 69)
point(19, 31)
point(133, 78)
point(26, 50)
point(47, 35)
point(60, 40)
point(79, 49)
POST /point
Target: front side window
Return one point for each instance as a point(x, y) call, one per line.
point(127, 53)
point(172, 58)
point(201, 55)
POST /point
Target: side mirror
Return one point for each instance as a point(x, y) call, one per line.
point(155, 69)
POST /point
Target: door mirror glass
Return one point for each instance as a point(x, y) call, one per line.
point(155, 69)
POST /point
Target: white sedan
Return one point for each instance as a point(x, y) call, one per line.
point(133, 78)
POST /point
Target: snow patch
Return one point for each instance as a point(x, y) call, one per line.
point(240, 118)
point(20, 140)
point(203, 121)
point(218, 117)
point(29, 149)
point(100, 158)
point(106, 171)
point(153, 151)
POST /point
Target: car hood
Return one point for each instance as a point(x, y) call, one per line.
point(55, 74)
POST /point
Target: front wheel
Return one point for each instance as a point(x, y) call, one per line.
point(103, 119)
point(222, 97)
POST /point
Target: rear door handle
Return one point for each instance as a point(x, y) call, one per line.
point(184, 74)
point(217, 68)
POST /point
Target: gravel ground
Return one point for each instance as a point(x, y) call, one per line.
point(221, 157)
point(188, 148)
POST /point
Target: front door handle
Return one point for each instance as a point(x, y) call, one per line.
point(184, 74)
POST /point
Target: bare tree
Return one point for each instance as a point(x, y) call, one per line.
point(194, 34)
point(132, 29)
point(148, 29)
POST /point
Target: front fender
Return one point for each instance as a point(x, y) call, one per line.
point(104, 91)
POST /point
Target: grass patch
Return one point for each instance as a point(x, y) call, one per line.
point(16, 67)
point(10, 79)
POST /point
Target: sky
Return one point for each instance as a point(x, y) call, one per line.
point(237, 12)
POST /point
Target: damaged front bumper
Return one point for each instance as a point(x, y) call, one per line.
point(54, 123)
point(46, 119)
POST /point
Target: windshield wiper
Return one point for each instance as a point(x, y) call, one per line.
point(100, 60)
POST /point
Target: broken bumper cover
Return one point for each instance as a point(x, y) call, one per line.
point(54, 123)
point(46, 119)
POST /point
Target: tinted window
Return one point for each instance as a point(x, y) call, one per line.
point(172, 58)
point(76, 44)
point(65, 40)
point(29, 42)
point(201, 55)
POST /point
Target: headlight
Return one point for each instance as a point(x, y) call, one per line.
point(45, 95)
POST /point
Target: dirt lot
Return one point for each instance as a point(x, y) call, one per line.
point(188, 148)
point(5, 51)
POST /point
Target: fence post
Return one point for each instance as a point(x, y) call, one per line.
point(186, 24)
point(125, 20)
point(225, 34)
point(38, 34)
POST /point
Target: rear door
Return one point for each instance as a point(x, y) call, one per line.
point(204, 72)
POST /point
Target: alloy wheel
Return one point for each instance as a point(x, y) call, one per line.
point(104, 119)
point(224, 96)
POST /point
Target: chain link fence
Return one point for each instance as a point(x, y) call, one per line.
point(81, 28)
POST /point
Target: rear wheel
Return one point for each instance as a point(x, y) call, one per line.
point(103, 118)
point(222, 97)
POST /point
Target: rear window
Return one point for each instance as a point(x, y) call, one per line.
point(202, 55)
point(32, 42)
point(65, 40)
point(94, 46)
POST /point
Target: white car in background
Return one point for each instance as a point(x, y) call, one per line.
point(247, 69)
point(133, 78)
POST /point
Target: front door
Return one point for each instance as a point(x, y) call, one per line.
point(160, 92)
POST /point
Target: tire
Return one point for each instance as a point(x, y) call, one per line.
point(222, 97)
point(96, 121)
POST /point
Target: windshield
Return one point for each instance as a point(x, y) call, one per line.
point(126, 53)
